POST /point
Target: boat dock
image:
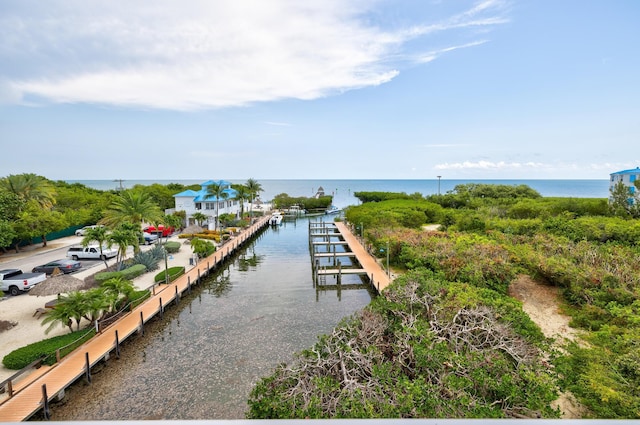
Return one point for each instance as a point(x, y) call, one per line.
point(34, 392)
point(329, 243)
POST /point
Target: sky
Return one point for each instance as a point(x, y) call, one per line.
point(341, 89)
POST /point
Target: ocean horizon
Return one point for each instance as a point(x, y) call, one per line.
point(342, 190)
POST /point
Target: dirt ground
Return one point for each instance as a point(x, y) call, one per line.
point(541, 302)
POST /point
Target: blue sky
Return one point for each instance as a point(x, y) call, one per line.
point(288, 89)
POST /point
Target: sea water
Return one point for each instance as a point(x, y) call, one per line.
point(343, 190)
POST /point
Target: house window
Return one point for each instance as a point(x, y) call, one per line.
point(632, 178)
point(198, 206)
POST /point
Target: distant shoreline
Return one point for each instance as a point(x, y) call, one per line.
point(343, 189)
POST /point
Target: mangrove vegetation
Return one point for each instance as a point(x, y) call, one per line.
point(447, 339)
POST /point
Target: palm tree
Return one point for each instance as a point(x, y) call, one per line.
point(242, 193)
point(120, 289)
point(97, 303)
point(199, 218)
point(132, 206)
point(123, 236)
point(30, 187)
point(216, 191)
point(60, 314)
point(254, 188)
point(173, 220)
point(99, 235)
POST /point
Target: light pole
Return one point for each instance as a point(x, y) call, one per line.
point(166, 267)
point(388, 265)
point(439, 177)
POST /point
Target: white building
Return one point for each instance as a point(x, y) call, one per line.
point(199, 201)
point(628, 178)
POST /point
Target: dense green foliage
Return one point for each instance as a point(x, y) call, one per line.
point(23, 356)
point(365, 197)
point(31, 207)
point(487, 236)
point(309, 204)
point(429, 348)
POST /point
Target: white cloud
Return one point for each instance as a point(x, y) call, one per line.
point(199, 54)
point(489, 165)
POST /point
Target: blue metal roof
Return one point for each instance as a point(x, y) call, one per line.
point(631, 171)
point(201, 195)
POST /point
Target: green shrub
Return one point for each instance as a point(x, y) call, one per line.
point(174, 272)
point(172, 247)
point(104, 276)
point(202, 248)
point(134, 271)
point(137, 298)
point(409, 354)
point(128, 274)
point(23, 356)
point(203, 235)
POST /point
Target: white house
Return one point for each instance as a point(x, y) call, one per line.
point(627, 177)
point(198, 201)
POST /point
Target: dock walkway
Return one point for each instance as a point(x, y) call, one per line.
point(36, 395)
point(334, 234)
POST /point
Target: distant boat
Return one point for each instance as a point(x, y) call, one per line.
point(294, 211)
point(276, 219)
point(332, 210)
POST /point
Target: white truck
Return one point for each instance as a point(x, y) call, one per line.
point(91, 252)
point(13, 281)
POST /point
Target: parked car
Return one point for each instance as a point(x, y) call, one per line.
point(64, 265)
point(15, 282)
point(149, 238)
point(83, 231)
point(160, 230)
point(91, 252)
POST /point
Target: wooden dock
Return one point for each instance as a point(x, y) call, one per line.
point(336, 234)
point(47, 383)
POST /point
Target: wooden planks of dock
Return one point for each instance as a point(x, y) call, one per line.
point(338, 234)
point(44, 385)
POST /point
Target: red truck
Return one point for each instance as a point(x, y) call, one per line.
point(161, 231)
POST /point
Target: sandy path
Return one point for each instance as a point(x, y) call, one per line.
point(541, 303)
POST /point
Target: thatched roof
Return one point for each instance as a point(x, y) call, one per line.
point(57, 285)
point(192, 230)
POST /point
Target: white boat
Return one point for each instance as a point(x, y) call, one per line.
point(332, 210)
point(276, 219)
point(294, 211)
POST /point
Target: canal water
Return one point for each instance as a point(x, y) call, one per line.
point(202, 359)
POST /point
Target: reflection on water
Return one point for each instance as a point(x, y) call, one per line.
point(202, 360)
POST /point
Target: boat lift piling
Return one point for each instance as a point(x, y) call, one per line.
point(330, 235)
